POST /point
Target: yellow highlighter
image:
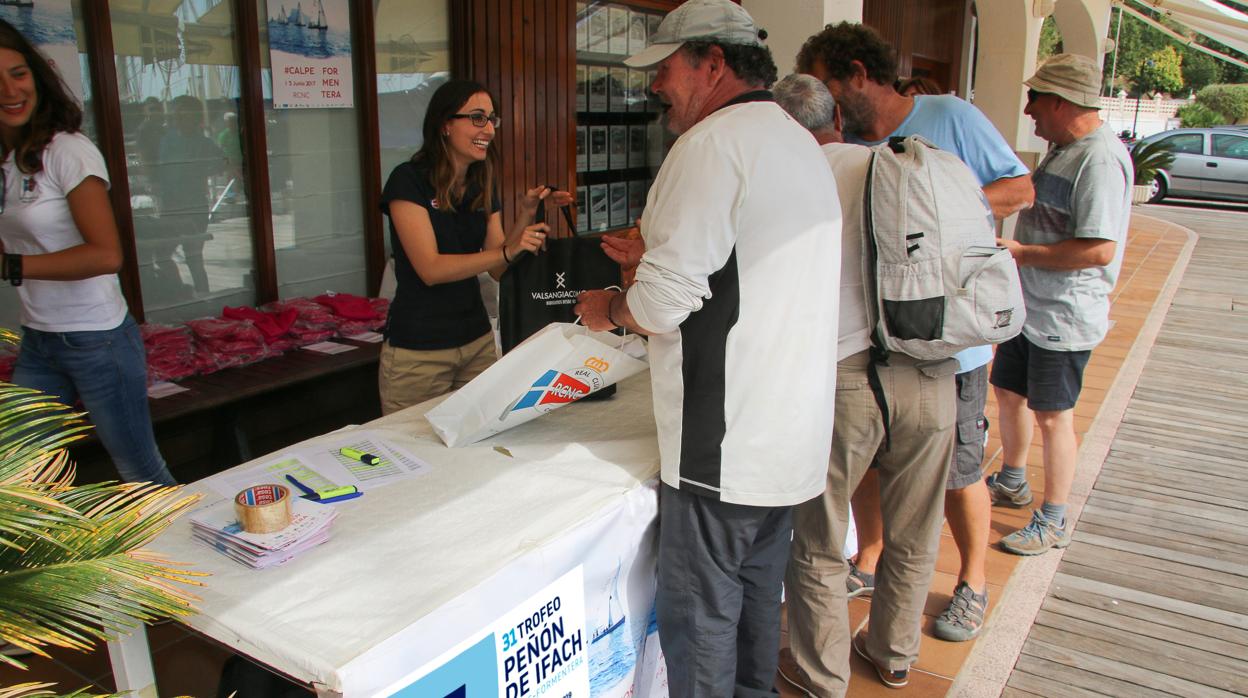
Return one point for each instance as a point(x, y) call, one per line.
point(365, 458)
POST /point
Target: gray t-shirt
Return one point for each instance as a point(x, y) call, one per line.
point(1083, 190)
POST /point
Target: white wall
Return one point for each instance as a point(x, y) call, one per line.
point(790, 22)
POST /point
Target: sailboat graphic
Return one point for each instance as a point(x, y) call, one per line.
point(297, 17)
point(281, 16)
point(612, 602)
point(319, 24)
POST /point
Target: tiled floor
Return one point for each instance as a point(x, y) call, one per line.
point(188, 665)
point(1150, 255)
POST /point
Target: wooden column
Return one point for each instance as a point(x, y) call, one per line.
point(364, 55)
point(111, 139)
point(523, 51)
point(255, 145)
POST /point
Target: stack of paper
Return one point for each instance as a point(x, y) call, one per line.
point(217, 526)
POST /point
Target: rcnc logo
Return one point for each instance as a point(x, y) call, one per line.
point(556, 388)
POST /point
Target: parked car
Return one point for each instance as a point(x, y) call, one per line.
point(1209, 163)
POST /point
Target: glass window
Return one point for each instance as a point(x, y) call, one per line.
point(619, 140)
point(177, 78)
point(314, 175)
point(1186, 143)
point(413, 59)
point(1227, 146)
point(28, 21)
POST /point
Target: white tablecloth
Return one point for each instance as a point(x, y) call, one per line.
point(357, 613)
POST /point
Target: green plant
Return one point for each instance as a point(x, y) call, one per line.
point(1199, 69)
point(1197, 115)
point(1230, 101)
point(1147, 158)
point(1160, 71)
point(72, 567)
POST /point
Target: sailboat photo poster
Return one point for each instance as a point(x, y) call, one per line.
point(49, 25)
point(310, 53)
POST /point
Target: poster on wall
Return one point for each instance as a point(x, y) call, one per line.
point(49, 25)
point(310, 51)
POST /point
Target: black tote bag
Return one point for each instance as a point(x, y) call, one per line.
point(538, 289)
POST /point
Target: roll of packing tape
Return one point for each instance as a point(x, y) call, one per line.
point(263, 508)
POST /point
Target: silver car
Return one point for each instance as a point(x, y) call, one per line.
point(1209, 163)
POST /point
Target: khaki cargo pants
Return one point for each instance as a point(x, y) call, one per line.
point(923, 411)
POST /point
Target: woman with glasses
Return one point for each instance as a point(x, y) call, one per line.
point(61, 250)
point(446, 227)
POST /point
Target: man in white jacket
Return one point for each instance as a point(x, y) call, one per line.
point(737, 289)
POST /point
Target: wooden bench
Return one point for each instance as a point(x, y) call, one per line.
point(225, 418)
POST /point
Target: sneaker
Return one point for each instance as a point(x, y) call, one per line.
point(964, 616)
point(858, 583)
point(893, 678)
point(1006, 497)
point(791, 673)
point(1036, 537)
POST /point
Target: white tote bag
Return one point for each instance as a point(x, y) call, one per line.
point(560, 363)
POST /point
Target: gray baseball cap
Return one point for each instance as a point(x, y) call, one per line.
point(722, 21)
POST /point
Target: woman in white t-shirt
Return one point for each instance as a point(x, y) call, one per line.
point(61, 250)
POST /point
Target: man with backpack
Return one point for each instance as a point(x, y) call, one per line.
point(913, 467)
point(1069, 249)
point(859, 68)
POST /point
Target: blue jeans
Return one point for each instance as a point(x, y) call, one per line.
point(107, 370)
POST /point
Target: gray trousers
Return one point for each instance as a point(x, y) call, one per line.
point(721, 567)
point(912, 494)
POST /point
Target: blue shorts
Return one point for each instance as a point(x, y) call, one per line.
point(1050, 380)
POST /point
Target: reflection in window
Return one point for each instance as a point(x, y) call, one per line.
point(413, 59)
point(1186, 143)
point(314, 180)
point(177, 79)
point(1230, 146)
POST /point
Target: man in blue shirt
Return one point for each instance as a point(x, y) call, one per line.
point(859, 69)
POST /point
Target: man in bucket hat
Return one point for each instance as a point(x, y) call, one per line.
point(737, 289)
point(1069, 250)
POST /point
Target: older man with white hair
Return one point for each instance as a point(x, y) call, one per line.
point(911, 468)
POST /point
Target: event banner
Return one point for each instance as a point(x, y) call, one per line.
point(539, 648)
point(310, 54)
point(611, 558)
point(49, 25)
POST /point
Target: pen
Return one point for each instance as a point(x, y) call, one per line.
point(304, 488)
point(366, 458)
point(333, 494)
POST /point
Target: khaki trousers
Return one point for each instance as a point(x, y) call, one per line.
point(923, 410)
point(408, 377)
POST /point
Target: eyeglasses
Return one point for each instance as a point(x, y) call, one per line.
point(480, 119)
point(1032, 95)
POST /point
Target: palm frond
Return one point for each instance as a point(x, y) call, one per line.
point(39, 690)
point(71, 568)
point(33, 428)
point(1148, 158)
point(75, 604)
point(113, 518)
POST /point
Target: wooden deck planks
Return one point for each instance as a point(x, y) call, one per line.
point(1151, 598)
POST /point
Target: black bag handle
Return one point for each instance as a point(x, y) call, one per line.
point(540, 217)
